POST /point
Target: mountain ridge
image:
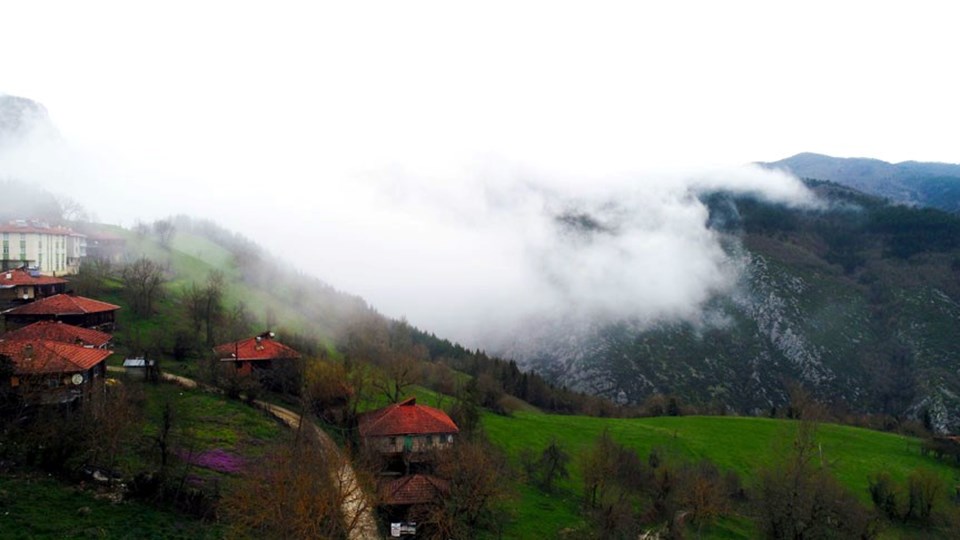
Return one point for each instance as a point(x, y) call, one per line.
point(915, 183)
point(847, 302)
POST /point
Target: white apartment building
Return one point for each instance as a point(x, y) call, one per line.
point(54, 251)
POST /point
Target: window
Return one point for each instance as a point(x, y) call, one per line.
point(53, 383)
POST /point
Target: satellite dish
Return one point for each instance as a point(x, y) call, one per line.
point(77, 379)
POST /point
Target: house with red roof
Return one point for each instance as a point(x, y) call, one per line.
point(412, 489)
point(19, 285)
point(70, 309)
point(63, 333)
point(407, 428)
point(406, 435)
point(46, 371)
point(400, 498)
point(258, 352)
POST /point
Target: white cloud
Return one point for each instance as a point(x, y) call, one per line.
point(476, 253)
point(417, 153)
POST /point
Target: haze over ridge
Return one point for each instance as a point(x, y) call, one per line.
point(476, 247)
point(362, 143)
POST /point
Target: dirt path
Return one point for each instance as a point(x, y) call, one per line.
point(355, 506)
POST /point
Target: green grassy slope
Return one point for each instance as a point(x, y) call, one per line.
point(209, 421)
point(192, 257)
point(733, 443)
point(35, 507)
point(38, 506)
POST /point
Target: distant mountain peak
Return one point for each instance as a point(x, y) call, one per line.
point(915, 183)
point(20, 117)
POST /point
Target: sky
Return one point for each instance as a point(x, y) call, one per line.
point(418, 153)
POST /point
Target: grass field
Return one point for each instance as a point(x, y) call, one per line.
point(210, 421)
point(35, 507)
point(740, 444)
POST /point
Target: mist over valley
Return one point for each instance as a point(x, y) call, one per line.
point(361, 271)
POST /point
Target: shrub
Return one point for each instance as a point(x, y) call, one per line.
point(883, 493)
point(923, 490)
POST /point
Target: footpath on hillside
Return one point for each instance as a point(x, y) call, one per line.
point(356, 508)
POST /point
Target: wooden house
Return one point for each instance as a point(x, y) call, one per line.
point(412, 489)
point(46, 371)
point(20, 285)
point(70, 309)
point(63, 333)
point(407, 428)
point(256, 353)
point(399, 499)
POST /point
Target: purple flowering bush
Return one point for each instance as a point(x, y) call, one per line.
point(216, 460)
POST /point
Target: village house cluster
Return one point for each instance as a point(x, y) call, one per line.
point(408, 437)
point(58, 343)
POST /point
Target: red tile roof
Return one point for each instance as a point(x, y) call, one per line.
point(406, 418)
point(20, 277)
point(413, 489)
point(12, 228)
point(34, 356)
point(62, 304)
point(57, 331)
point(251, 349)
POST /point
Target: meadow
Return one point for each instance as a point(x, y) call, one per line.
point(740, 444)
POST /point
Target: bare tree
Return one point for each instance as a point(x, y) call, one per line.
point(924, 487)
point(799, 498)
point(474, 470)
point(327, 390)
point(396, 377)
point(238, 321)
point(549, 467)
point(296, 493)
point(614, 478)
point(164, 230)
point(90, 280)
point(143, 284)
point(71, 210)
point(141, 229)
point(204, 305)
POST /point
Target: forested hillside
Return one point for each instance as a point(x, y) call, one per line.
point(915, 183)
point(857, 302)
